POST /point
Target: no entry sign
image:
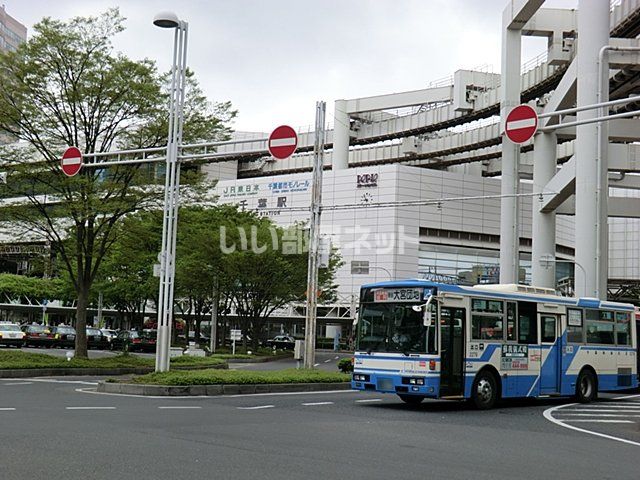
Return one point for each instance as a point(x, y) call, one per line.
point(521, 124)
point(71, 162)
point(283, 142)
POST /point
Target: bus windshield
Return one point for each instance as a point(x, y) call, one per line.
point(391, 327)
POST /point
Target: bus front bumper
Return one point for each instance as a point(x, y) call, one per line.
point(383, 382)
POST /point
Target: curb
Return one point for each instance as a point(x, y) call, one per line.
point(217, 390)
point(92, 372)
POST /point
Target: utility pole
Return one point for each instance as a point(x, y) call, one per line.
point(314, 237)
point(213, 333)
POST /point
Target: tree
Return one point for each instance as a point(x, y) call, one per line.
point(126, 278)
point(66, 86)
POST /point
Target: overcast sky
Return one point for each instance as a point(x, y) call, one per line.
point(273, 59)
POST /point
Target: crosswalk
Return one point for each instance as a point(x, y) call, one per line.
point(625, 411)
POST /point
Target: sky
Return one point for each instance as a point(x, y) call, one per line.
point(274, 59)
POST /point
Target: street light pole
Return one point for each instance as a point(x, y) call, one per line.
point(172, 186)
point(314, 238)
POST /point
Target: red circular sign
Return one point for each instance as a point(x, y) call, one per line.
point(283, 142)
point(521, 124)
point(71, 162)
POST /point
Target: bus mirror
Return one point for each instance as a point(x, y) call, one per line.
point(417, 308)
point(428, 320)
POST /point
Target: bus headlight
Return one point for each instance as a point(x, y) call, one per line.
point(413, 381)
point(358, 377)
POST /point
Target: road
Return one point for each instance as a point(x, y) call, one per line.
point(61, 428)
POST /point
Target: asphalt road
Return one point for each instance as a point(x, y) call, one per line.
point(58, 428)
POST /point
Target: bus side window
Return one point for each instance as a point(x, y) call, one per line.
point(527, 322)
point(511, 320)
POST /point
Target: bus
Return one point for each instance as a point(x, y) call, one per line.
point(421, 339)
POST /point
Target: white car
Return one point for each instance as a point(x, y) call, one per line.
point(110, 334)
point(11, 335)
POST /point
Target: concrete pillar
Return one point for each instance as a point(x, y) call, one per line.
point(509, 224)
point(543, 228)
point(591, 167)
point(340, 159)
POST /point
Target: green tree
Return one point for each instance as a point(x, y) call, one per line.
point(126, 278)
point(66, 86)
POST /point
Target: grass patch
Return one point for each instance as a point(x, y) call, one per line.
point(240, 377)
point(17, 359)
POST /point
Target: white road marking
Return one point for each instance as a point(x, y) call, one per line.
point(316, 364)
point(337, 357)
point(327, 361)
point(626, 396)
point(599, 410)
point(7, 409)
point(312, 404)
point(595, 415)
point(259, 407)
point(53, 380)
point(369, 400)
point(598, 421)
point(178, 407)
point(90, 408)
point(548, 414)
point(17, 383)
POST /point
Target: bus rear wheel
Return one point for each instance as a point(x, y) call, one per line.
point(484, 393)
point(411, 399)
point(586, 389)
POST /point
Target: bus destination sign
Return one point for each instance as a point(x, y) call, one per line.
point(396, 295)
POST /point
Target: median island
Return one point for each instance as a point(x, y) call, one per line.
point(11, 361)
point(239, 377)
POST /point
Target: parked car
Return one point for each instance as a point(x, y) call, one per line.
point(135, 341)
point(284, 342)
point(38, 336)
point(64, 336)
point(109, 333)
point(95, 339)
point(11, 335)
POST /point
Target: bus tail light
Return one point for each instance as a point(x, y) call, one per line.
point(432, 364)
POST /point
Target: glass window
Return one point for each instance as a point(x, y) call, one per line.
point(511, 321)
point(487, 306)
point(599, 332)
point(548, 329)
point(623, 336)
point(606, 316)
point(575, 330)
point(527, 324)
point(486, 327)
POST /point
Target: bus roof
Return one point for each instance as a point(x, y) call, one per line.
point(505, 291)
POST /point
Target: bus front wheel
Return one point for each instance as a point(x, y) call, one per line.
point(586, 389)
point(411, 399)
point(484, 393)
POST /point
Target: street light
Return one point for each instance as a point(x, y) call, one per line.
point(547, 260)
point(171, 185)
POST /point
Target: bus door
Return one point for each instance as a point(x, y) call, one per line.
point(452, 321)
point(551, 350)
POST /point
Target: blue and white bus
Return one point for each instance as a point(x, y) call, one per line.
point(422, 339)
